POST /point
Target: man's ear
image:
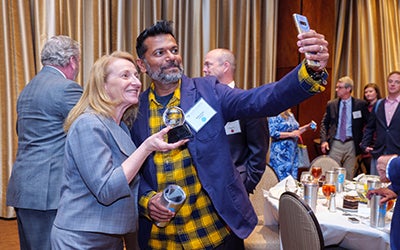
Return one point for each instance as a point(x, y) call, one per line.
point(141, 65)
point(227, 66)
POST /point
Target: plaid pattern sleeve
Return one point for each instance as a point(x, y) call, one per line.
point(197, 224)
point(307, 82)
point(144, 202)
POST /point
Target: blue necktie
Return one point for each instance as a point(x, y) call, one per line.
point(342, 129)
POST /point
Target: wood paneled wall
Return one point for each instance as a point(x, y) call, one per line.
point(321, 16)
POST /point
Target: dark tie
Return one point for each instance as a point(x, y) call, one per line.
point(342, 131)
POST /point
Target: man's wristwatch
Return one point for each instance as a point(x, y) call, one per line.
point(317, 76)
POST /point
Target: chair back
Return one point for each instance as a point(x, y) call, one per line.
point(298, 226)
point(263, 237)
point(325, 162)
point(268, 180)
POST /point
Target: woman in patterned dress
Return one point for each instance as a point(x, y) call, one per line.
point(284, 132)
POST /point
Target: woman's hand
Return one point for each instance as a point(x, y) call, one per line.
point(154, 142)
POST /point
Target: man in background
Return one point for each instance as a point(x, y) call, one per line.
point(35, 183)
point(385, 122)
point(342, 126)
point(248, 138)
point(388, 167)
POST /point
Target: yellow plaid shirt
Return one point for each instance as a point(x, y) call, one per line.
point(197, 224)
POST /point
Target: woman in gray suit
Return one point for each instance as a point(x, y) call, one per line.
point(99, 193)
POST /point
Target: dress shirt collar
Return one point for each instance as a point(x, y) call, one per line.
point(232, 84)
point(57, 70)
point(347, 101)
point(392, 101)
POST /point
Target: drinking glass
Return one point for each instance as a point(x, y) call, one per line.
point(306, 177)
point(316, 172)
point(291, 186)
point(390, 204)
point(328, 186)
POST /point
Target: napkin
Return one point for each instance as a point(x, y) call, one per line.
point(287, 184)
point(359, 177)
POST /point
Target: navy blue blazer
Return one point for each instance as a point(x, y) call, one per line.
point(394, 176)
point(209, 147)
point(249, 149)
point(387, 137)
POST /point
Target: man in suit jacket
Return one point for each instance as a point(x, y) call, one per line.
point(217, 211)
point(35, 182)
point(389, 169)
point(385, 122)
point(344, 150)
point(248, 138)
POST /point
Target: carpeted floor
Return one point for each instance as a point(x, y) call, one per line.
point(9, 234)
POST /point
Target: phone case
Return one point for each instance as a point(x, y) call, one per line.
point(302, 25)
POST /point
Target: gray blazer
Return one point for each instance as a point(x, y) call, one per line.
point(95, 196)
point(42, 107)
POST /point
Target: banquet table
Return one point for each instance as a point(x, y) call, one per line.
point(336, 227)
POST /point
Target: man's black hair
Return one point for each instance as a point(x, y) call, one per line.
point(161, 27)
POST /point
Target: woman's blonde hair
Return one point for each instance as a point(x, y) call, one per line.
point(94, 95)
point(285, 114)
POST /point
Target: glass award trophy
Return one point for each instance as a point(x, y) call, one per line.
point(175, 118)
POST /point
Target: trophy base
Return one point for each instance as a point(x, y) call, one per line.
point(179, 133)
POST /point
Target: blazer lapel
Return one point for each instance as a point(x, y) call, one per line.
point(188, 93)
point(120, 134)
point(396, 114)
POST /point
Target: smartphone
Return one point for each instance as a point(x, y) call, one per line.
point(313, 125)
point(302, 25)
point(353, 220)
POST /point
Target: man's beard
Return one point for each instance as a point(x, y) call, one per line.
point(162, 77)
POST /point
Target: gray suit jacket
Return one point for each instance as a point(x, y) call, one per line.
point(95, 196)
point(42, 107)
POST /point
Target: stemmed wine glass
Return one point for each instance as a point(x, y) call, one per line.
point(328, 186)
point(316, 171)
point(306, 177)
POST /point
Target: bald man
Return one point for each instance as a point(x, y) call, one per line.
point(249, 138)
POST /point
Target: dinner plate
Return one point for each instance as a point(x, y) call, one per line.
point(349, 210)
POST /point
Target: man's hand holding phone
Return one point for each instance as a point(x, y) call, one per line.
point(312, 44)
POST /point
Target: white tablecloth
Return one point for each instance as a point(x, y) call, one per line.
point(336, 227)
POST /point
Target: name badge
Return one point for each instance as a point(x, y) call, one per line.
point(357, 114)
point(199, 114)
point(232, 128)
